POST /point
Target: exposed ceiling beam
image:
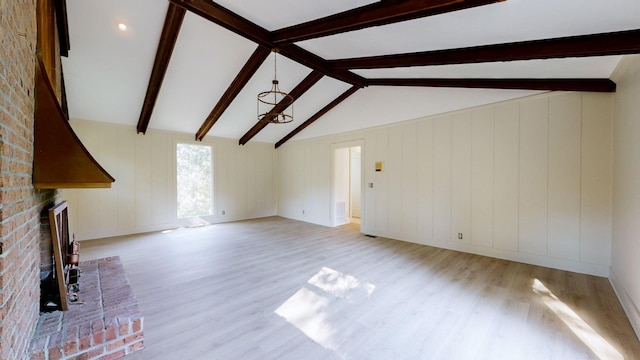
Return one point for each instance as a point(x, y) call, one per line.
point(245, 28)
point(379, 13)
point(376, 14)
point(319, 114)
point(170, 31)
point(310, 60)
point(614, 43)
point(298, 91)
point(243, 77)
point(593, 85)
point(228, 20)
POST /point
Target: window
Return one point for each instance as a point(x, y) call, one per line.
point(194, 169)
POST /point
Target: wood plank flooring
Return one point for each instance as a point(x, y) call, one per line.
point(276, 288)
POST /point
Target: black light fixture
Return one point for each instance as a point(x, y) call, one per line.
point(273, 104)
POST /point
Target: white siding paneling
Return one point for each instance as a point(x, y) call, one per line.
point(143, 179)
point(368, 217)
point(482, 145)
point(625, 249)
point(393, 174)
point(320, 196)
point(461, 177)
point(108, 136)
point(524, 180)
point(409, 181)
point(534, 140)
point(143, 197)
point(596, 179)
point(425, 170)
point(381, 188)
point(126, 180)
point(442, 131)
point(162, 194)
point(506, 176)
point(565, 113)
point(527, 180)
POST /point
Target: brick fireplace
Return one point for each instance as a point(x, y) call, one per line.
point(20, 203)
point(105, 322)
point(25, 240)
point(92, 314)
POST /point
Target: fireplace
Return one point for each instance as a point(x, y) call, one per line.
point(105, 322)
point(88, 308)
point(61, 286)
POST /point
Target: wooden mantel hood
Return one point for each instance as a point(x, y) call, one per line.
point(60, 160)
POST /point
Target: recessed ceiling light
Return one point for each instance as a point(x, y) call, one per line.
point(122, 26)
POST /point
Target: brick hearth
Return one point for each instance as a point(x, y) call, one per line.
point(106, 323)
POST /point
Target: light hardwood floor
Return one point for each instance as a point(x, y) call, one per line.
point(281, 289)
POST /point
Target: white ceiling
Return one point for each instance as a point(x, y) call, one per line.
point(107, 70)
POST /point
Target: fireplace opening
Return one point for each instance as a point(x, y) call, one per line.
point(49, 295)
point(61, 285)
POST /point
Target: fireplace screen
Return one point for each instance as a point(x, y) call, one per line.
point(65, 253)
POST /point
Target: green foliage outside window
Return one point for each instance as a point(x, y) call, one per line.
point(194, 180)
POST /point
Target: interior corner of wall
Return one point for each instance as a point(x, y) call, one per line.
point(627, 302)
point(621, 68)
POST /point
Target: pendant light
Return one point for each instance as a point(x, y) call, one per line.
point(274, 104)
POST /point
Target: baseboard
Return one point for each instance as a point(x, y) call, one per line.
point(210, 220)
point(628, 305)
point(533, 259)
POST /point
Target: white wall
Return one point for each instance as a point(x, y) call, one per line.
point(625, 266)
point(305, 178)
point(143, 196)
point(526, 180)
point(341, 193)
point(355, 181)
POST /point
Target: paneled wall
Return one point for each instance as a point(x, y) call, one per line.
point(625, 265)
point(143, 196)
point(527, 180)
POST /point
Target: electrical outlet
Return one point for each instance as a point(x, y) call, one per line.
point(459, 236)
point(302, 212)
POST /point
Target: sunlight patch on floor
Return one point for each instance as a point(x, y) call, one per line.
point(341, 285)
point(310, 312)
point(195, 221)
point(586, 333)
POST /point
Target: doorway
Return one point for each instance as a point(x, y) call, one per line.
point(347, 184)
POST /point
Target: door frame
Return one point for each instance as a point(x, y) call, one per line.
point(342, 145)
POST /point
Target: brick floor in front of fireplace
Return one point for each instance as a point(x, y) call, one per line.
point(105, 323)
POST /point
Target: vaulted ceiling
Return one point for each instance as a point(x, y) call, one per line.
point(196, 66)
